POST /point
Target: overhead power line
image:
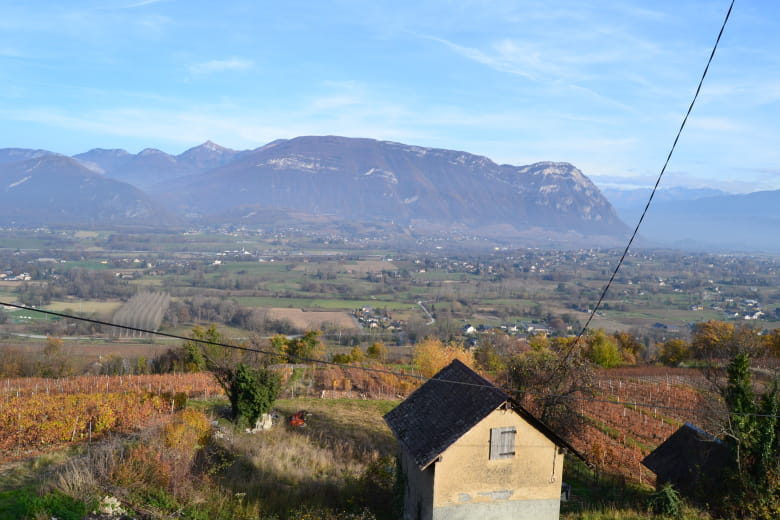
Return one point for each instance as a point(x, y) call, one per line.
point(652, 193)
point(425, 379)
point(509, 391)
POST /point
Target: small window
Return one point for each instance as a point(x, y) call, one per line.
point(502, 442)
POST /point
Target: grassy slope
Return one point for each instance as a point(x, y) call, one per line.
point(327, 463)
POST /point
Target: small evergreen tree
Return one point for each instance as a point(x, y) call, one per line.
point(753, 431)
point(666, 501)
point(251, 392)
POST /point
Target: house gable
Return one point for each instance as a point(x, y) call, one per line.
point(444, 430)
point(442, 410)
point(466, 474)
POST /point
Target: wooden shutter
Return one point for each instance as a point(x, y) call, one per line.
point(502, 442)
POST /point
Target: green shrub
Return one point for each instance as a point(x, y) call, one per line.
point(252, 393)
point(27, 504)
point(159, 499)
point(666, 501)
point(180, 400)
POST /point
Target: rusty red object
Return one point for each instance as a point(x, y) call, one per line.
point(298, 420)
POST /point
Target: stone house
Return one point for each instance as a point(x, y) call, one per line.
point(468, 451)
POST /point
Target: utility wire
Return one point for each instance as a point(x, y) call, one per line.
point(421, 378)
point(201, 341)
point(652, 193)
point(424, 379)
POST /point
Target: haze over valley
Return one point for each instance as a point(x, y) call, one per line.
point(285, 261)
point(346, 183)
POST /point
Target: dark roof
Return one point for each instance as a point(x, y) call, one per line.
point(448, 405)
point(687, 455)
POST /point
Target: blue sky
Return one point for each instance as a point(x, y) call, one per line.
point(603, 85)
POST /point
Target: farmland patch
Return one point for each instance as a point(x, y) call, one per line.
point(312, 319)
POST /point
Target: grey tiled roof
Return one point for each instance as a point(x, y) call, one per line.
point(442, 410)
point(448, 405)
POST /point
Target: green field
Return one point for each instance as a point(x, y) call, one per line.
point(95, 265)
point(147, 283)
point(508, 301)
point(23, 316)
point(444, 276)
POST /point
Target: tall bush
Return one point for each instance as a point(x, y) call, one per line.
point(753, 430)
point(252, 393)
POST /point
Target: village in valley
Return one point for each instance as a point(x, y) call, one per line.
point(351, 332)
point(389, 260)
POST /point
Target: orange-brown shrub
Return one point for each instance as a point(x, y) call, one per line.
point(142, 466)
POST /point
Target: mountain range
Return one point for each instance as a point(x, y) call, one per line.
point(351, 183)
point(703, 219)
point(48, 189)
point(151, 166)
point(338, 179)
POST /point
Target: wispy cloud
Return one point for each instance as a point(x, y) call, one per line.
point(546, 59)
point(498, 61)
point(213, 66)
point(235, 128)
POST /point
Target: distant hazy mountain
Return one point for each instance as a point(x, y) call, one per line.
point(21, 154)
point(206, 156)
point(629, 203)
point(360, 185)
point(101, 160)
point(151, 166)
point(357, 184)
point(637, 198)
point(58, 190)
point(369, 180)
point(741, 222)
point(704, 219)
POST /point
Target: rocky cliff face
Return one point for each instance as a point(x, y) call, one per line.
point(384, 181)
point(338, 179)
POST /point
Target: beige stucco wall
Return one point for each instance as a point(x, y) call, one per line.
point(465, 476)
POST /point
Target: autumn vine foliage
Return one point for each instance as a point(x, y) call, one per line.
point(41, 421)
point(37, 414)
